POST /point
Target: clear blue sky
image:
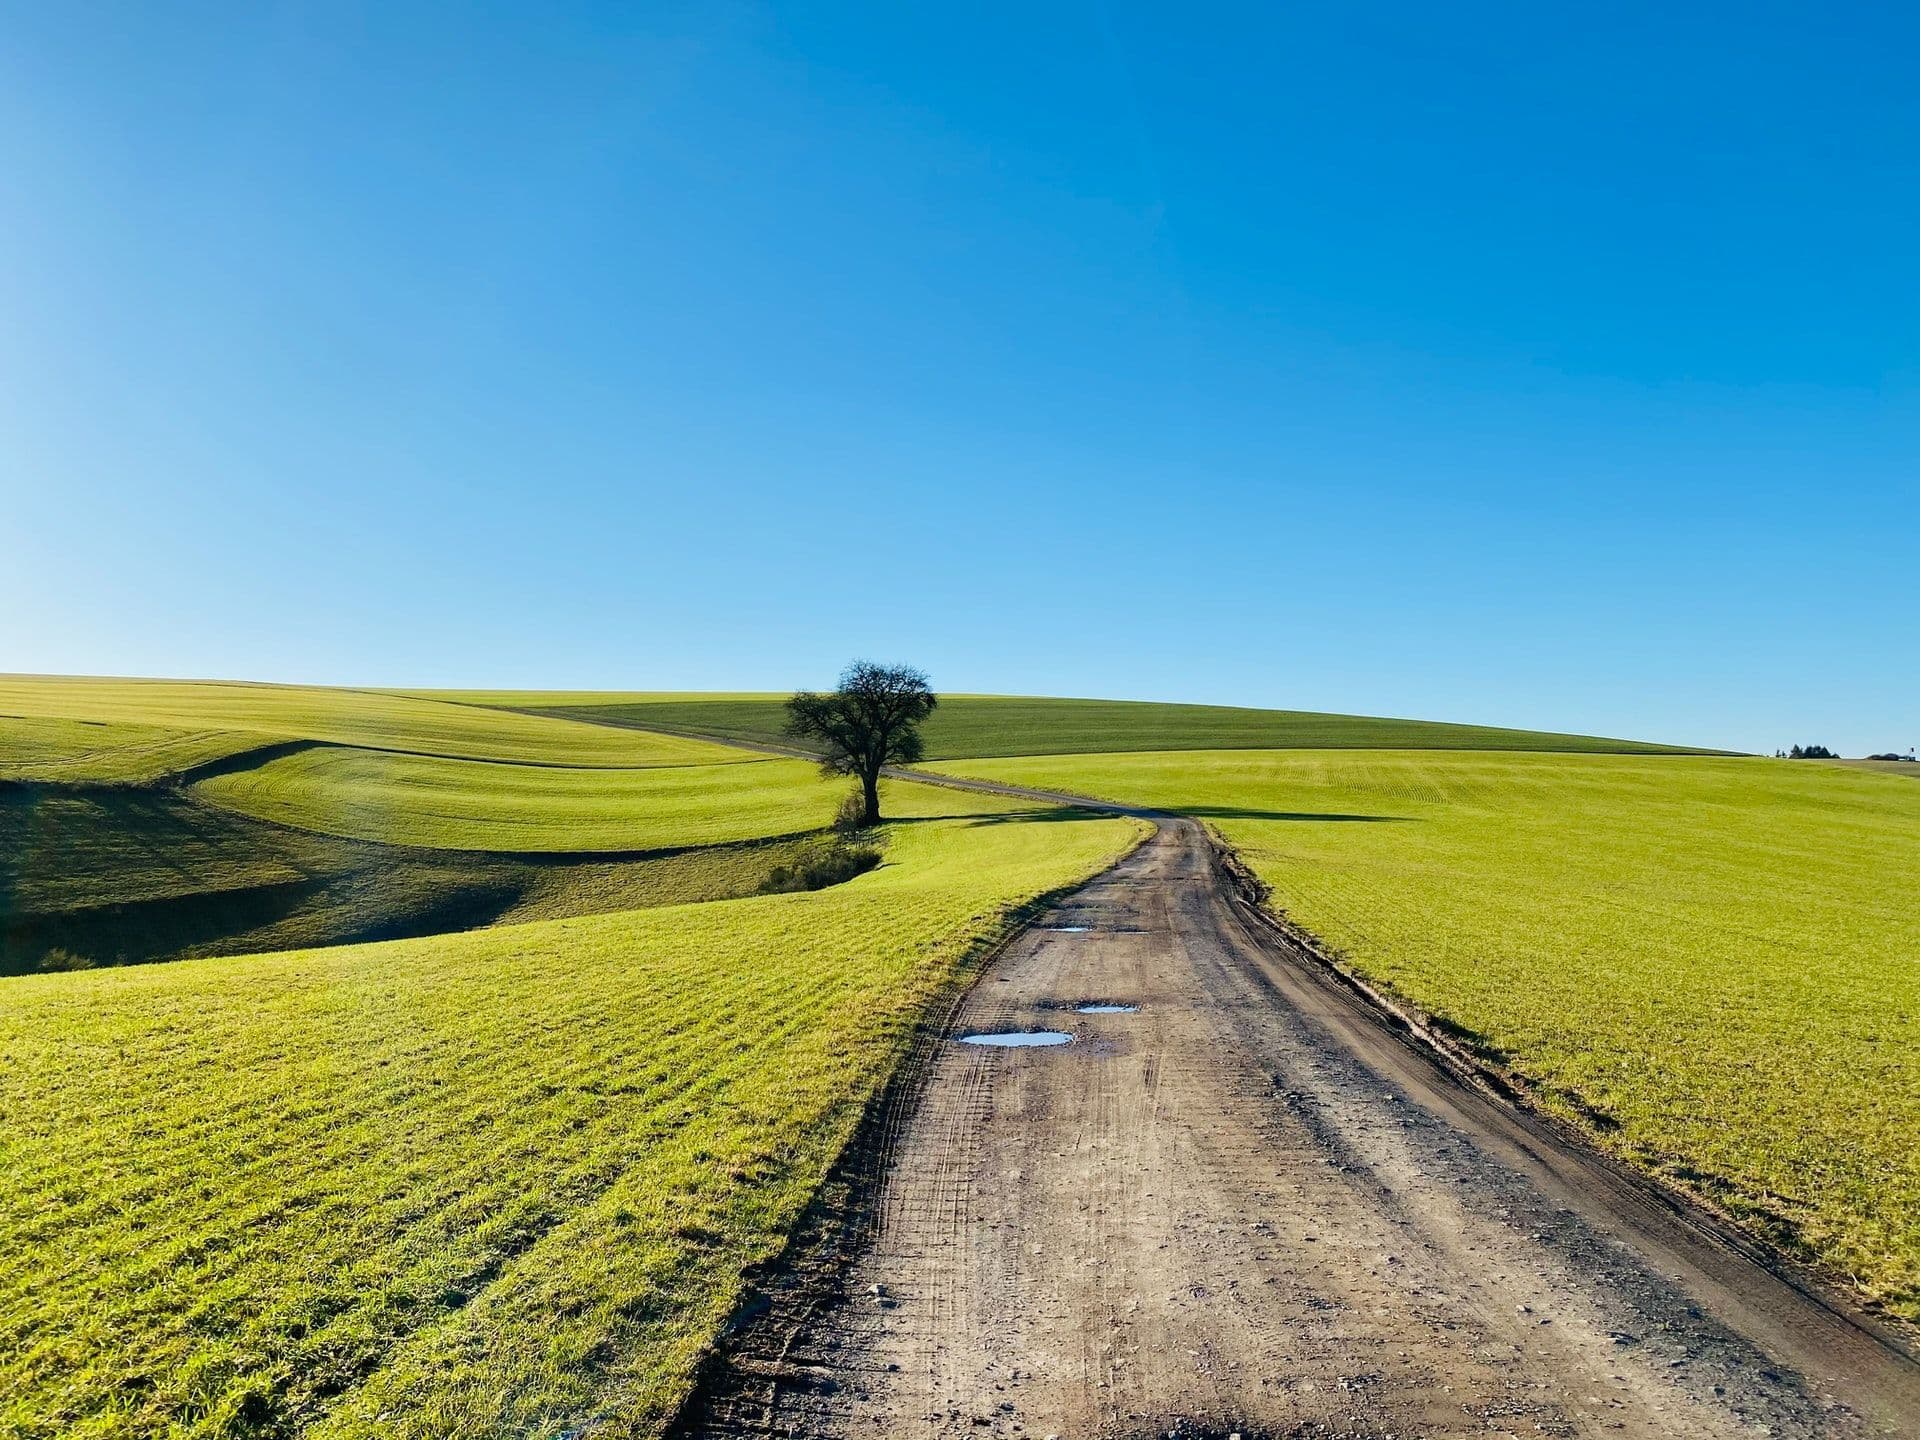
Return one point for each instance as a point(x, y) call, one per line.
point(1541, 365)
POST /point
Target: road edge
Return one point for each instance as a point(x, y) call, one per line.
point(782, 1294)
point(1819, 1284)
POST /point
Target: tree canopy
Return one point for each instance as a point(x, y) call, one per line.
point(869, 721)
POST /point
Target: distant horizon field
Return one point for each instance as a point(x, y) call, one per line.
point(96, 729)
point(1705, 962)
point(1907, 768)
point(977, 726)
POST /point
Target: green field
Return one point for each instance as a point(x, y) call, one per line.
point(104, 876)
point(502, 1182)
point(106, 859)
point(71, 729)
point(503, 1176)
point(972, 726)
point(1709, 963)
point(474, 805)
point(1886, 767)
point(39, 747)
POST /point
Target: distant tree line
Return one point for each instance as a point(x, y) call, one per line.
point(1821, 752)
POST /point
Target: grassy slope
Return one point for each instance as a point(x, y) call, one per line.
point(75, 729)
point(502, 1182)
point(99, 875)
point(969, 726)
point(68, 750)
point(1714, 956)
point(112, 876)
point(463, 804)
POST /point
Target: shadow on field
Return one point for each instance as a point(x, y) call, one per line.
point(1199, 812)
point(1052, 814)
point(1238, 812)
point(119, 875)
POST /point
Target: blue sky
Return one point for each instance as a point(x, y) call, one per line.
point(1539, 365)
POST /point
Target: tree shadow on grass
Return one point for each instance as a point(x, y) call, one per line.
point(1238, 812)
point(1003, 817)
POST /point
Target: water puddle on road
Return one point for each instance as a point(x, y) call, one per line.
point(1105, 1009)
point(1019, 1038)
point(1067, 929)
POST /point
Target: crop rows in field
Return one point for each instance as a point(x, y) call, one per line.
point(92, 876)
point(74, 729)
point(1709, 962)
point(58, 749)
point(488, 1183)
point(473, 805)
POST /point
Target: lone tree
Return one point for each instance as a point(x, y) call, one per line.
point(871, 721)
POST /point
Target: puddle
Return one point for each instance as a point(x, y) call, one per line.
point(1019, 1037)
point(1105, 1009)
point(1067, 929)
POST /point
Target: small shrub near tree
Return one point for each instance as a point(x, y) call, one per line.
point(831, 866)
point(852, 815)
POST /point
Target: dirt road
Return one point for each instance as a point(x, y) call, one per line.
point(1254, 1205)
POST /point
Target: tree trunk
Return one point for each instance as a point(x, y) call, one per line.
point(870, 790)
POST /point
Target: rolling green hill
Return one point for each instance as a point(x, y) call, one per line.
point(93, 876)
point(112, 852)
point(475, 805)
point(974, 726)
point(66, 750)
point(77, 729)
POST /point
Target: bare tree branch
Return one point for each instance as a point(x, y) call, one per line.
point(869, 722)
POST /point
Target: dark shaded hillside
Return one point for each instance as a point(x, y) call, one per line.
point(111, 875)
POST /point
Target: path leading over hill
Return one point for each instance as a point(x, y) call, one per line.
point(1255, 1205)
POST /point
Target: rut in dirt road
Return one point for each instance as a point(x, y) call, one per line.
point(1252, 1205)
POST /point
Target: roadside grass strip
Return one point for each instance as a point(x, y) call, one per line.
point(1709, 964)
point(502, 1182)
point(472, 805)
